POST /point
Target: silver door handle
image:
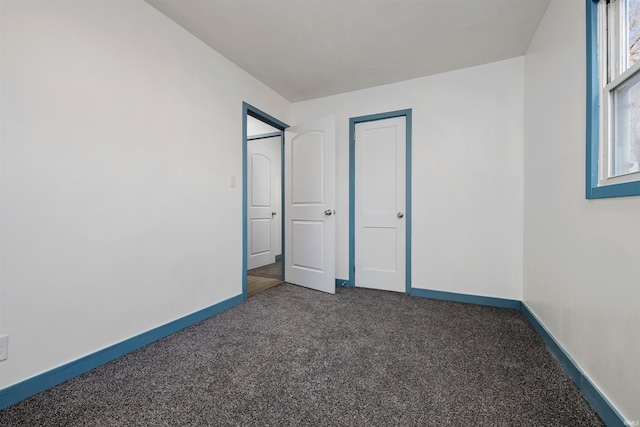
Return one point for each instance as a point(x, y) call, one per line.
point(400, 215)
point(328, 212)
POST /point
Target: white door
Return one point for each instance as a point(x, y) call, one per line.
point(263, 187)
point(380, 202)
point(309, 205)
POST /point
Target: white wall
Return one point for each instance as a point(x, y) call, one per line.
point(119, 134)
point(467, 174)
point(582, 258)
point(256, 127)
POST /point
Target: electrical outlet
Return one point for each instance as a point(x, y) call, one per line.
point(4, 347)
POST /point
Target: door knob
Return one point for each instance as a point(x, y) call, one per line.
point(328, 212)
point(400, 214)
point(274, 213)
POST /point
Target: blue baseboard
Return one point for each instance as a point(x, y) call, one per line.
point(46, 380)
point(598, 402)
point(278, 257)
point(343, 283)
point(470, 299)
point(32, 386)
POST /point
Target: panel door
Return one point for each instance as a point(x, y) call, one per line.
point(309, 205)
point(263, 170)
point(380, 202)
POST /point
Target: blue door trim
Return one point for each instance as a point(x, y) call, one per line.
point(352, 186)
point(256, 113)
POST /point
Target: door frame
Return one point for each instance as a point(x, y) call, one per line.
point(352, 190)
point(256, 113)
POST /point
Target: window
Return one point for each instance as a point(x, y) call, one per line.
point(613, 118)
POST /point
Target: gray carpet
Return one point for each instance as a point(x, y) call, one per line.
point(291, 356)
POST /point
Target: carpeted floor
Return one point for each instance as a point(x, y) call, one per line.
point(291, 356)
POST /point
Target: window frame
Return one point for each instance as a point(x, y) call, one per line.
point(597, 121)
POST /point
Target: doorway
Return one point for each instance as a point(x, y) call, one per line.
point(380, 201)
point(308, 214)
point(263, 138)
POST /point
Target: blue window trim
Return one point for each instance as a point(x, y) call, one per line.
point(256, 113)
point(352, 186)
point(593, 190)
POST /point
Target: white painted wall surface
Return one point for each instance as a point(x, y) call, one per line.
point(256, 127)
point(119, 135)
point(467, 174)
point(582, 258)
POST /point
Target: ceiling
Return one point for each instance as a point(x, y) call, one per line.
point(306, 49)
